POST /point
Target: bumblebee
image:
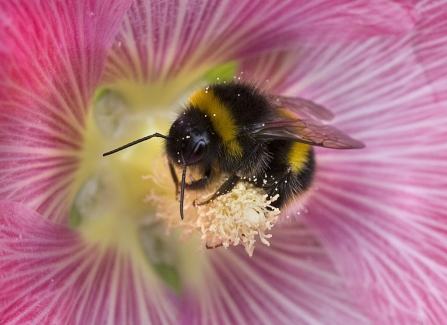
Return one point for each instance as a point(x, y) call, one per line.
point(237, 129)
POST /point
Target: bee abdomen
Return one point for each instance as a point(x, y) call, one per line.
point(288, 182)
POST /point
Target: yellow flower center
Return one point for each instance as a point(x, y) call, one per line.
point(108, 195)
point(127, 200)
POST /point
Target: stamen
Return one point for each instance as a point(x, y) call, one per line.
point(238, 217)
point(235, 218)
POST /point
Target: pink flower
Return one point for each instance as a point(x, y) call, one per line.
point(77, 242)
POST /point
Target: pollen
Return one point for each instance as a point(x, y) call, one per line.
point(238, 218)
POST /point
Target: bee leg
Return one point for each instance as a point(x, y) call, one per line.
point(229, 184)
point(226, 187)
point(175, 179)
point(211, 247)
point(200, 183)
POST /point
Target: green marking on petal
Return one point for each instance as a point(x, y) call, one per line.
point(161, 251)
point(111, 112)
point(75, 217)
point(169, 275)
point(224, 72)
point(99, 93)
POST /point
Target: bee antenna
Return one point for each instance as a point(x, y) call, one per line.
point(158, 135)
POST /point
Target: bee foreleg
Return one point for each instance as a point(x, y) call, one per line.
point(200, 183)
point(175, 179)
point(226, 187)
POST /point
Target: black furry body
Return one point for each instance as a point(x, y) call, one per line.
point(261, 161)
point(234, 129)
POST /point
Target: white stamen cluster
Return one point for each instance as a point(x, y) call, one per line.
point(235, 218)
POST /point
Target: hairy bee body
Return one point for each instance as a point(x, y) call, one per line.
point(237, 130)
point(230, 113)
point(290, 173)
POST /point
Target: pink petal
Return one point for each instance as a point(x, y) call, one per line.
point(49, 275)
point(291, 282)
point(381, 211)
point(164, 39)
point(429, 43)
point(51, 58)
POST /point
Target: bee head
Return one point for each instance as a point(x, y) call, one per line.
point(187, 142)
point(186, 145)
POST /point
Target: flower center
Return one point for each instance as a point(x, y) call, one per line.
point(108, 206)
point(127, 200)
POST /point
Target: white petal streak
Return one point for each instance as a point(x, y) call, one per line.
point(381, 211)
point(401, 242)
point(165, 39)
point(51, 58)
point(291, 281)
point(51, 276)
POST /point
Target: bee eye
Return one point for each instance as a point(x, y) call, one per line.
point(197, 153)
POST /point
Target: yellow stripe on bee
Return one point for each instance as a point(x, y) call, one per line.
point(221, 119)
point(299, 152)
point(298, 156)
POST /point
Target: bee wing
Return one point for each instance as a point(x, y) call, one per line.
point(310, 132)
point(304, 108)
